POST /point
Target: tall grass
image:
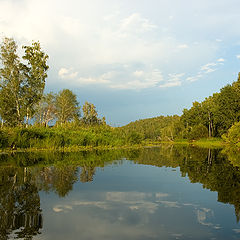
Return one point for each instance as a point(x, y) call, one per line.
point(66, 137)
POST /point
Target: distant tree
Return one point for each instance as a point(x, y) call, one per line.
point(66, 106)
point(90, 115)
point(21, 84)
point(209, 116)
point(193, 116)
point(227, 108)
point(45, 110)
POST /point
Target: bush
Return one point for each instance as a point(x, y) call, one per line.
point(135, 137)
point(3, 139)
point(233, 134)
point(198, 132)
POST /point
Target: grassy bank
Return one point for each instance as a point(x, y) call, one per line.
point(83, 138)
point(209, 143)
point(67, 138)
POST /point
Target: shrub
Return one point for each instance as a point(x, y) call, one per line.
point(233, 134)
point(198, 132)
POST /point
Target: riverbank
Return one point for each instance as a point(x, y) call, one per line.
point(203, 143)
point(84, 139)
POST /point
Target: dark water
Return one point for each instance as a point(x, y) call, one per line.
point(154, 193)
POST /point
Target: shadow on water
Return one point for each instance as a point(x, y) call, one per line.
point(24, 175)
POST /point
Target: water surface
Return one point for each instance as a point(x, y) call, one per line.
point(153, 193)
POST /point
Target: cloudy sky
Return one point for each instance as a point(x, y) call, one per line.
point(133, 59)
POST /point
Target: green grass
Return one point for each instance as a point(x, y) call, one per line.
point(82, 139)
point(209, 143)
point(205, 143)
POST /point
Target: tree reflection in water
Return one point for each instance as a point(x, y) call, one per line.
point(22, 176)
point(20, 210)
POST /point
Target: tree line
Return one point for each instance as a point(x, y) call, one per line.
point(22, 98)
point(217, 116)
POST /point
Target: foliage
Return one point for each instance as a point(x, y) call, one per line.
point(66, 106)
point(89, 113)
point(22, 83)
point(45, 110)
point(199, 131)
point(233, 134)
point(158, 128)
point(217, 112)
point(67, 137)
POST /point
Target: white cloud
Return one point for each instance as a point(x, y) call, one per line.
point(62, 72)
point(65, 73)
point(124, 79)
point(134, 85)
point(208, 68)
point(173, 80)
point(62, 208)
point(170, 84)
point(135, 23)
point(194, 78)
point(203, 215)
point(121, 79)
point(92, 36)
point(170, 204)
point(238, 56)
point(93, 81)
point(143, 79)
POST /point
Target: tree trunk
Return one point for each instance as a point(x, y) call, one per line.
point(27, 118)
point(209, 125)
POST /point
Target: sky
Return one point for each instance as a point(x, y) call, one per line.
point(132, 59)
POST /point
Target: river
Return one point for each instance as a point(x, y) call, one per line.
point(166, 192)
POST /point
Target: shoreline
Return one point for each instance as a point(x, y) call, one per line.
point(203, 143)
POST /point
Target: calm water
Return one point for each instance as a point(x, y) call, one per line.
point(153, 193)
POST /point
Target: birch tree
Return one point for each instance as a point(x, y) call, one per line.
point(90, 115)
point(21, 83)
point(66, 106)
point(11, 83)
point(45, 110)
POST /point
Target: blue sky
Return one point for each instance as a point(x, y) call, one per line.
point(133, 59)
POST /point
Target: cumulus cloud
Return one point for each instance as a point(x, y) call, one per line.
point(94, 37)
point(125, 79)
point(66, 73)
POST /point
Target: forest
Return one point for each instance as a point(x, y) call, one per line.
point(33, 119)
